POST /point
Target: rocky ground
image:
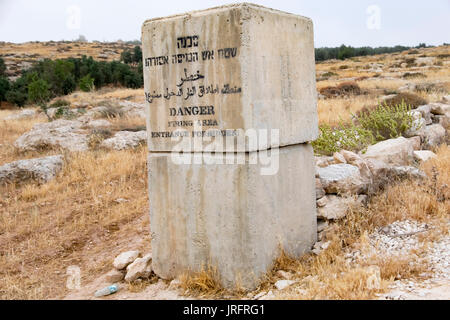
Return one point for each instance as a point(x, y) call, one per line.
point(74, 194)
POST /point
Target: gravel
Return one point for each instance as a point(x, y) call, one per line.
point(397, 240)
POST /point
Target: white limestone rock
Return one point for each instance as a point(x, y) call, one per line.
point(342, 179)
point(100, 123)
point(393, 151)
point(59, 134)
point(336, 207)
point(439, 108)
point(133, 109)
point(23, 115)
point(114, 276)
point(140, 268)
point(125, 258)
point(432, 136)
point(424, 155)
point(425, 111)
point(320, 192)
point(125, 140)
point(283, 284)
point(406, 172)
point(41, 170)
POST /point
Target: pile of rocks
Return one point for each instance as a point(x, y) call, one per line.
point(129, 266)
point(345, 180)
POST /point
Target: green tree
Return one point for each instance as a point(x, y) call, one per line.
point(137, 54)
point(17, 93)
point(4, 88)
point(345, 52)
point(86, 83)
point(126, 57)
point(38, 91)
point(2, 67)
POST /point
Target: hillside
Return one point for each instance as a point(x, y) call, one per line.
point(20, 56)
point(96, 206)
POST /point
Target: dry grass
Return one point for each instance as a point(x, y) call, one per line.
point(44, 229)
point(10, 130)
point(75, 220)
point(104, 94)
point(331, 111)
point(204, 283)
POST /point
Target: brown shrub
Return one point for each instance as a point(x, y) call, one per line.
point(330, 92)
point(410, 99)
point(412, 75)
point(343, 89)
point(349, 88)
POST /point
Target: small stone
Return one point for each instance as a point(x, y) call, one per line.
point(124, 259)
point(342, 179)
point(339, 158)
point(283, 284)
point(320, 246)
point(424, 155)
point(322, 162)
point(325, 245)
point(426, 113)
point(140, 268)
point(433, 136)
point(439, 108)
point(320, 192)
point(114, 276)
point(350, 157)
point(322, 225)
point(322, 202)
point(268, 296)
point(260, 295)
point(174, 284)
point(336, 207)
point(416, 142)
point(121, 200)
point(283, 274)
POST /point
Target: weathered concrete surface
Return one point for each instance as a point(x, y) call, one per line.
point(230, 216)
point(234, 67)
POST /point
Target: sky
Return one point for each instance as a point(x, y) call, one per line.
point(350, 22)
